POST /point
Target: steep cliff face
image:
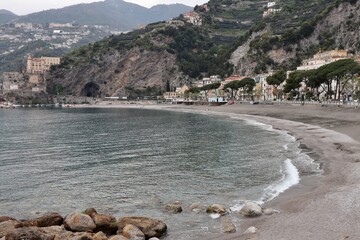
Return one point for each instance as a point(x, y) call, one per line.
point(339, 29)
point(134, 72)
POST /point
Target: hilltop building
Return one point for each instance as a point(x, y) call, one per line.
point(40, 65)
point(206, 81)
point(193, 18)
point(271, 11)
point(271, 4)
point(322, 58)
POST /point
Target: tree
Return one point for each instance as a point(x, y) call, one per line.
point(293, 82)
point(276, 79)
point(208, 87)
point(233, 86)
point(247, 85)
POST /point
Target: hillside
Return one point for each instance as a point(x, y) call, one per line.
point(235, 38)
point(6, 16)
point(114, 13)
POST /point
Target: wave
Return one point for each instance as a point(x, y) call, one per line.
point(291, 177)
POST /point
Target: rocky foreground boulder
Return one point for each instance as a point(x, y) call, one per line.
point(104, 222)
point(79, 222)
point(173, 207)
point(132, 232)
point(251, 209)
point(48, 220)
point(81, 226)
point(216, 208)
point(150, 227)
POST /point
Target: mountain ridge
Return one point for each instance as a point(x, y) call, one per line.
point(114, 13)
point(6, 16)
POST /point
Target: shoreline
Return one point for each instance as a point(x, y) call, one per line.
point(319, 207)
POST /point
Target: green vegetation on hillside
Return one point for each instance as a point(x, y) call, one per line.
point(205, 50)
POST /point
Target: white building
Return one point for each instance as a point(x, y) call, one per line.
point(271, 11)
point(193, 18)
point(271, 4)
point(322, 58)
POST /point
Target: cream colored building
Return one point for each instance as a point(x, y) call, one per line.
point(40, 65)
point(193, 18)
point(322, 58)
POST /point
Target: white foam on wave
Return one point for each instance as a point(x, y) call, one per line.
point(291, 177)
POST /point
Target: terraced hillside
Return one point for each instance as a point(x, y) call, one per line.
point(234, 38)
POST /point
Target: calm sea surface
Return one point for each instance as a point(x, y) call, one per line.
point(132, 162)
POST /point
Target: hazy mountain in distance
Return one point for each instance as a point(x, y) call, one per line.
point(6, 16)
point(114, 13)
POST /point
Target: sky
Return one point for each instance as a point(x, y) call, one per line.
point(23, 7)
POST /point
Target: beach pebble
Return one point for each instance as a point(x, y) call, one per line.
point(197, 207)
point(270, 211)
point(251, 230)
point(251, 209)
point(132, 232)
point(79, 222)
point(227, 225)
point(154, 238)
point(150, 227)
point(216, 208)
point(173, 207)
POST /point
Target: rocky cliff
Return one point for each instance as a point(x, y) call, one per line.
point(133, 72)
point(165, 55)
point(340, 28)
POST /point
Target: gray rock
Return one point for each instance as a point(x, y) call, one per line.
point(216, 208)
point(251, 209)
point(132, 232)
point(227, 225)
point(150, 227)
point(251, 230)
point(270, 211)
point(197, 207)
point(174, 207)
point(79, 222)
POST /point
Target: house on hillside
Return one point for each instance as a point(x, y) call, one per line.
point(271, 4)
point(40, 65)
point(271, 11)
point(193, 18)
point(322, 58)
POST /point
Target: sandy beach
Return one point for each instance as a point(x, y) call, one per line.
point(320, 207)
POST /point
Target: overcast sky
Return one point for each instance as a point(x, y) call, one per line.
point(22, 7)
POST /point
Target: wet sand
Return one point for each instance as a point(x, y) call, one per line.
point(320, 207)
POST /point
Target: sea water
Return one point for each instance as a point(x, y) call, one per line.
point(130, 162)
